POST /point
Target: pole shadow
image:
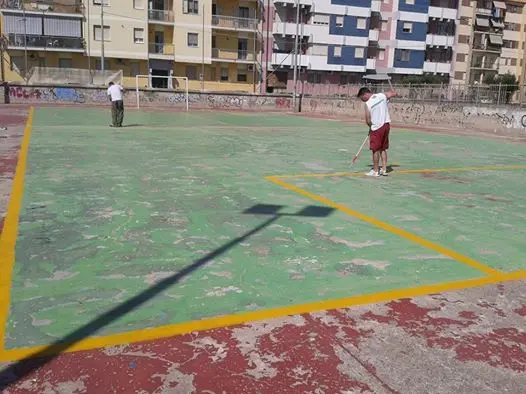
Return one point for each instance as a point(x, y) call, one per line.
point(24, 367)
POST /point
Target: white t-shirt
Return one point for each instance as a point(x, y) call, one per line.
point(377, 105)
point(115, 91)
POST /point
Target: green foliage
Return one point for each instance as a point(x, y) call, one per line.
point(508, 82)
point(425, 79)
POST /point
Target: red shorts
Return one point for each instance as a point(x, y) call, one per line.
point(379, 139)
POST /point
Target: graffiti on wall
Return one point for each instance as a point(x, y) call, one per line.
point(64, 95)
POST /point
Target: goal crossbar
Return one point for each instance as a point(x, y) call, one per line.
point(148, 77)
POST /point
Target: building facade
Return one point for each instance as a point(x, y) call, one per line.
point(214, 43)
point(248, 45)
point(461, 41)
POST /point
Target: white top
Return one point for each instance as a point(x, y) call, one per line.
point(115, 91)
point(377, 106)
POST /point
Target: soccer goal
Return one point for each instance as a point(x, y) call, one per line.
point(176, 85)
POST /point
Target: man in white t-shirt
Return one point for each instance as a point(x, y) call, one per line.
point(115, 93)
point(379, 122)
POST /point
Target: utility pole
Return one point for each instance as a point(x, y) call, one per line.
point(296, 54)
point(25, 46)
point(102, 35)
point(203, 53)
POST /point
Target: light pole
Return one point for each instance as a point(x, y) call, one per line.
point(295, 78)
point(25, 46)
point(102, 35)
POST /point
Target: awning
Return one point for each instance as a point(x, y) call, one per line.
point(499, 4)
point(482, 22)
point(495, 23)
point(495, 40)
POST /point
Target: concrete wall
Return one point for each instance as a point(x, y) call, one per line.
point(501, 119)
point(19, 94)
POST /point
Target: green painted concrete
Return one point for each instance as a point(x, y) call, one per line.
point(107, 214)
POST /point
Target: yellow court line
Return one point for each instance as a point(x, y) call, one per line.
point(10, 229)
point(390, 228)
point(241, 318)
point(401, 172)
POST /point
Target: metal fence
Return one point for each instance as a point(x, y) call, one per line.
point(450, 93)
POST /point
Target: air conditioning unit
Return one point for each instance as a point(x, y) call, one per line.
point(250, 67)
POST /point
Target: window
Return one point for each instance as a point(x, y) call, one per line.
point(192, 39)
point(384, 26)
point(339, 21)
point(361, 23)
point(241, 76)
point(224, 74)
point(337, 51)
point(99, 2)
point(359, 53)
point(106, 64)
point(381, 54)
point(138, 4)
point(135, 69)
point(461, 57)
point(410, 2)
point(138, 36)
point(214, 42)
point(191, 7)
point(407, 27)
point(314, 78)
point(514, 9)
point(405, 55)
point(459, 75)
point(97, 33)
point(65, 63)
point(191, 73)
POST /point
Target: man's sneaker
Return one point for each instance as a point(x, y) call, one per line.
point(372, 173)
point(383, 173)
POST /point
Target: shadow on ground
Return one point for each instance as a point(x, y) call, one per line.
point(24, 367)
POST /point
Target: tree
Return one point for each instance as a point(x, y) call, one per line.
point(508, 84)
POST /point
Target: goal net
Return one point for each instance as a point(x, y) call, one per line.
point(176, 85)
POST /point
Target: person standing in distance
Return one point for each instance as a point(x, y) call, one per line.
point(115, 92)
point(379, 122)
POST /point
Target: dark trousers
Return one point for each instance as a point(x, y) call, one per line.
point(117, 113)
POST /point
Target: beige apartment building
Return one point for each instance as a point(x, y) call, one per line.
point(214, 43)
point(490, 40)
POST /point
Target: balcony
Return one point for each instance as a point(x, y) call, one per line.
point(287, 60)
point(48, 43)
point(62, 7)
point(374, 34)
point(485, 65)
point(161, 50)
point(234, 23)
point(289, 29)
point(161, 16)
point(437, 67)
point(239, 56)
point(442, 13)
point(293, 2)
point(439, 40)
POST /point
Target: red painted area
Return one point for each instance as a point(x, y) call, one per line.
point(331, 352)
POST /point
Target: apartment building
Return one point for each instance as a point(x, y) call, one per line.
point(214, 43)
point(490, 40)
point(462, 41)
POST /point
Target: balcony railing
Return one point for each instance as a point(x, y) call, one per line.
point(234, 23)
point(485, 65)
point(161, 15)
point(161, 49)
point(232, 55)
point(486, 47)
point(48, 42)
point(63, 6)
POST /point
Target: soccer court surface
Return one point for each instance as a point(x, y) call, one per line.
point(188, 221)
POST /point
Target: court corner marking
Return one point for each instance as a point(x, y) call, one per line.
point(142, 335)
point(10, 229)
point(390, 228)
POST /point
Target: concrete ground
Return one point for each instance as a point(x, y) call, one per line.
point(169, 227)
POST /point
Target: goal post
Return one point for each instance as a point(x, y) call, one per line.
point(145, 81)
